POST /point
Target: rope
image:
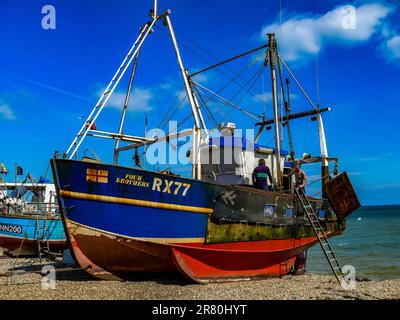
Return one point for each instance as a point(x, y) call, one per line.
point(315, 194)
point(237, 75)
point(256, 76)
point(250, 83)
point(216, 108)
point(184, 120)
point(232, 80)
point(248, 66)
point(207, 110)
point(164, 122)
point(297, 83)
point(248, 113)
point(175, 111)
point(319, 179)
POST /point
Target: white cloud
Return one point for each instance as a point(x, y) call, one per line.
point(394, 185)
point(140, 100)
point(6, 112)
point(201, 78)
point(377, 157)
point(356, 173)
point(300, 37)
point(43, 85)
point(391, 48)
point(262, 97)
point(267, 97)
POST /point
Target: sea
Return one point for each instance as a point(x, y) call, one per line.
point(370, 243)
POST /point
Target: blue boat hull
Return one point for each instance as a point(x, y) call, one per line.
point(142, 204)
point(121, 220)
point(20, 234)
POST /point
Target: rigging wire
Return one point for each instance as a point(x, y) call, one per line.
point(242, 88)
point(227, 101)
point(237, 76)
point(207, 110)
point(169, 108)
point(248, 66)
point(184, 120)
point(254, 79)
point(298, 83)
point(208, 101)
point(183, 99)
point(209, 115)
point(263, 92)
point(283, 101)
point(249, 83)
point(210, 55)
point(232, 80)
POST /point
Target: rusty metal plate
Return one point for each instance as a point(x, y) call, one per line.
point(342, 196)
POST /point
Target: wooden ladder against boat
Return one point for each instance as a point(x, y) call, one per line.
point(42, 235)
point(319, 232)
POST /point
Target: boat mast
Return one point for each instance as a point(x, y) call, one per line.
point(125, 108)
point(322, 140)
point(98, 108)
point(196, 130)
point(324, 155)
point(154, 12)
point(272, 57)
point(321, 133)
point(191, 83)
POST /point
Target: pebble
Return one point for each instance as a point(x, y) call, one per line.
point(24, 281)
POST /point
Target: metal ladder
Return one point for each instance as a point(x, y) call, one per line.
point(319, 232)
point(42, 235)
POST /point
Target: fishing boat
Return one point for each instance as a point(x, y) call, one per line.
point(214, 225)
point(30, 223)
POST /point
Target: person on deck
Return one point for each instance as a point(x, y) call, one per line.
point(301, 178)
point(261, 174)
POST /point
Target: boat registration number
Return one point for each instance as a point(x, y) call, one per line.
point(10, 228)
point(170, 186)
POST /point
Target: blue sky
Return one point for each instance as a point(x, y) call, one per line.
point(50, 78)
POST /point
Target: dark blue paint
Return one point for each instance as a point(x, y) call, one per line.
point(134, 221)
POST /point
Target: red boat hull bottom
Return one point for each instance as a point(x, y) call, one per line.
point(203, 265)
point(109, 256)
point(27, 247)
